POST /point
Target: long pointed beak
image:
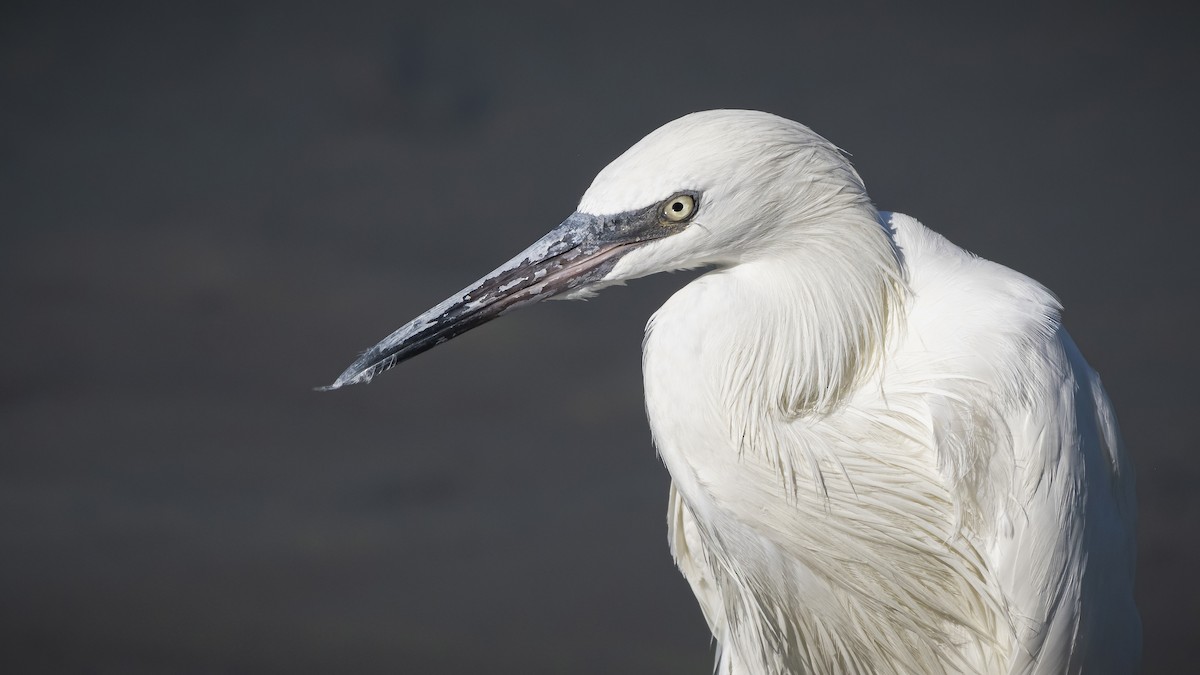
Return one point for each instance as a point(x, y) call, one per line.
point(582, 250)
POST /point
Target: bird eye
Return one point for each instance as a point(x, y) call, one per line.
point(679, 208)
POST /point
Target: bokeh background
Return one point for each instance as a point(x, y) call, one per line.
point(208, 208)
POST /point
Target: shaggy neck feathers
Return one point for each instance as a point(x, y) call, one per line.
point(821, 310)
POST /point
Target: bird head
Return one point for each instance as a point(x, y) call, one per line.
point(712, 188)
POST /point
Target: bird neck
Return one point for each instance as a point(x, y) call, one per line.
point(820, 311)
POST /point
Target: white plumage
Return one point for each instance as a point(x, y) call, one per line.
point(887, 455)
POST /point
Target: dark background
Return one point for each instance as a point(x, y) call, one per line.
point(207, 210)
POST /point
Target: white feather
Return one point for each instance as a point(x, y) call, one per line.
point(887, 454)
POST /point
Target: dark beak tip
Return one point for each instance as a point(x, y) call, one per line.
point(364, 369)
point(346, 379)
point(340, 382)
point(352, 375)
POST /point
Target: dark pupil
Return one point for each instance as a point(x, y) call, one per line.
point(677, 207)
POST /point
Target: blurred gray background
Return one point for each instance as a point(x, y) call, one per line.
point(208, 208)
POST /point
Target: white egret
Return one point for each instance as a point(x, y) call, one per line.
point(887, 455)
